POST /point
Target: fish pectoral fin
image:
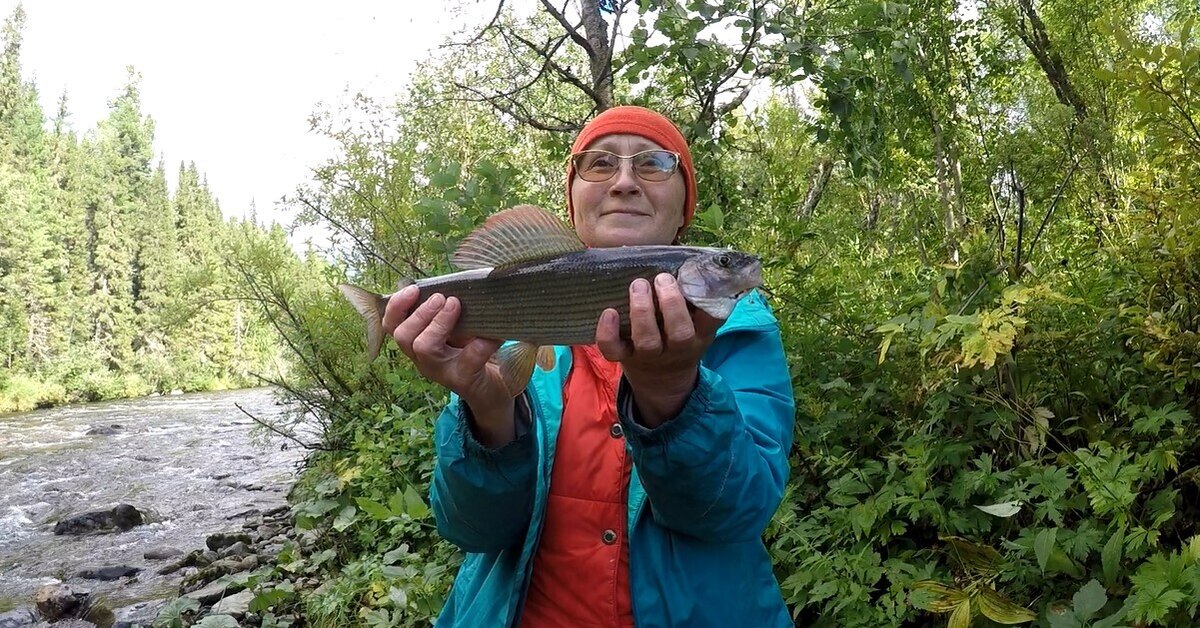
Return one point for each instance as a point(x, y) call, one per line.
point(516, 362)
point(371, 307)
point(514, 236)
point(545, 358)
point(716, 307)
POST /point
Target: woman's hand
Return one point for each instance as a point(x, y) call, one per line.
point(458, 364)
point(660, 364)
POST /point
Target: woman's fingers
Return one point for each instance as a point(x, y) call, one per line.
point(644, 333)
point(608, 337)
point(398, 307)
point(412, 326)
point(677, 321)
point(432, 341)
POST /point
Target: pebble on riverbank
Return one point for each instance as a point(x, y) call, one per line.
point(216, 584)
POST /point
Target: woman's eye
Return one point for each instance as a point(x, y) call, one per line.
point(601, 162)
point(656, 161)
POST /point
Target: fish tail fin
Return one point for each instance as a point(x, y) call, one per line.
point(371, 307)
point(516, 363)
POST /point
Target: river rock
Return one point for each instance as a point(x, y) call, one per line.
point(214, 591)
point(105, 430)
point(140, 614)
point(56, 601)
point(276, 511)
point(123, 517)
point(196, 558)
point(66, 623)
point(162, 552)
point(221, 540)
point(108, 573)
point(236, 604)
point(18, 618)
point(239, 550)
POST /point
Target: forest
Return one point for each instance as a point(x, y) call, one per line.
point(112, 285)
point(980, 225)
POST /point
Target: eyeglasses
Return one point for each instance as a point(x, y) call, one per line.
point(600, 165)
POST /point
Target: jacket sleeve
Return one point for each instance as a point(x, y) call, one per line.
point(717, 471)
point(482, 498)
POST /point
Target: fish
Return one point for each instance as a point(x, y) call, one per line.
point(524, 276)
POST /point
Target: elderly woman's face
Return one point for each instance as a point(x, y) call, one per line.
point(626, 209)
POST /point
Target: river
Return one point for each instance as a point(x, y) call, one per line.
point(194, 464)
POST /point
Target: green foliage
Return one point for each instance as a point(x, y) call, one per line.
point(988, 301)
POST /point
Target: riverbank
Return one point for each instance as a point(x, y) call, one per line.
point(191, 464)
point(23, 393)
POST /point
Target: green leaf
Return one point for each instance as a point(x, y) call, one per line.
point(396, 555)
point(396, 502)
point(172, 613)
point(345, 518)
point(414, 506)
point(1063, 618)
point(1043, 545)
point(1090, 599)
point(268, 599)
point(374, 509)
point(1059, 562)
point(1110, 556)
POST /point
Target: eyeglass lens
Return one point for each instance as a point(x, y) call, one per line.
point(650, 165)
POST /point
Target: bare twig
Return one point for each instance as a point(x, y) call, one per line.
point(291, 437)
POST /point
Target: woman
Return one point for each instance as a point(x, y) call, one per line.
point(631, 484)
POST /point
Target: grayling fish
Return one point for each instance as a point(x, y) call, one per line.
point(528, 278)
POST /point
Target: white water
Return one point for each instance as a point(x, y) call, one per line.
point(188, 462)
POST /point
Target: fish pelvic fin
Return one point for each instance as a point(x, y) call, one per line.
point(516, 362)
point(514, 236)
point(371, 307)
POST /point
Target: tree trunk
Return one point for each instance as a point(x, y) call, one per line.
point(599, 52)
point(816, 187)
point(946, 167)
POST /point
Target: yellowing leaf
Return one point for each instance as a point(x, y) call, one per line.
point(938, 597)
point(961, 617)
point(999, 609)
point(973, 557)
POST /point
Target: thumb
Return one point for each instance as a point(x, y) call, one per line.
point(476, 353)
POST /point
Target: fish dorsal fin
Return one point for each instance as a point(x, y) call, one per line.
point(521, 234)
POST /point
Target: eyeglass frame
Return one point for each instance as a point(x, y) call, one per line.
point(624, 158)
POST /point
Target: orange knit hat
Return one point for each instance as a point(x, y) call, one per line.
point(643, 123)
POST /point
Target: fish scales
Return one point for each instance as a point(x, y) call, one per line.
point(556, 301)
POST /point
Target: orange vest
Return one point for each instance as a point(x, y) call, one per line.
point(581, 567)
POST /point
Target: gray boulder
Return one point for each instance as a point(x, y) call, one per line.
point(58, 601)
point(221, 540)
point(18, 618)
point(162, 553)
point(123, 517)
point(108, 573)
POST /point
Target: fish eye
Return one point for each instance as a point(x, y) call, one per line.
point(723, 260)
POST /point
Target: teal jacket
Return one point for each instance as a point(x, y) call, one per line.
point(703, 487)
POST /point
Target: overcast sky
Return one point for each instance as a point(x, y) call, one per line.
point(229, 84)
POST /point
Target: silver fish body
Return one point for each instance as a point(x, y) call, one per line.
point(558, 301)
point(528, 278)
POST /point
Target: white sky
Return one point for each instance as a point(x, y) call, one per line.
point(230, 84)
